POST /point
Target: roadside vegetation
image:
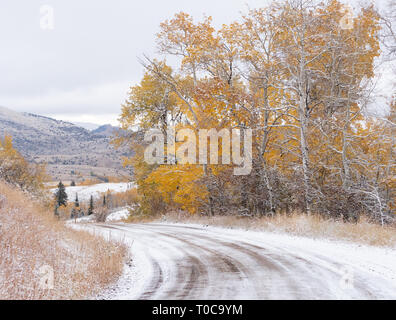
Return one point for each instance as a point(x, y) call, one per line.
point(298, 224)
point(35, 244)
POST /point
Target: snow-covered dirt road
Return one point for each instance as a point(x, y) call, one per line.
point(176, 261)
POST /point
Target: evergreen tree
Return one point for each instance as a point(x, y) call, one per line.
point(73, 184)
point(104, 200)
point(56, 210)
point(76, 202)
point(91, 206)
point(73, 213)
point(61, 195)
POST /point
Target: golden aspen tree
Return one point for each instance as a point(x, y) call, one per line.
point(300, 80)
point(15, 170)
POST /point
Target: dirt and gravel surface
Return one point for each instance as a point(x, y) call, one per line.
point(176, 261)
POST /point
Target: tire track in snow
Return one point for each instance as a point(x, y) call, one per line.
point(191, 262)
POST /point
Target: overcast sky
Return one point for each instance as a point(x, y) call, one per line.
point(82, 68)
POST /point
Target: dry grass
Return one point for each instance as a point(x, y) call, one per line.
point(89, 182)
point(30, 238)
point(363, 232)
point(123, 199)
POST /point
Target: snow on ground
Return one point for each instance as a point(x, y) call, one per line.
point(118, 215)
point(85, 192)
point(189, 261)
point(90, 218)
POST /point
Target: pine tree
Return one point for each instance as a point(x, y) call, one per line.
point(56, 210)
point(104, 200)
point(73, 214)
point(61, 195)
point(76, 202)
point(91, 206)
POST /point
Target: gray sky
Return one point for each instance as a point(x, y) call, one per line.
point(81, 69)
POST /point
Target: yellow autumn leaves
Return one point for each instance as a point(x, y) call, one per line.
point(299, 81)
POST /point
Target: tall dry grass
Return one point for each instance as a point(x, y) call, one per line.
point(299, 224)
point(30, 238)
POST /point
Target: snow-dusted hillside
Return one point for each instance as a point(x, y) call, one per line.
point(106, 130)
point(62, 145)
point(34, 134)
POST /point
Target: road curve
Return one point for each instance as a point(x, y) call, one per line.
point(173, 261)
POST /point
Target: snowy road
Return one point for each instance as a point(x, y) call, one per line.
point(175, 261)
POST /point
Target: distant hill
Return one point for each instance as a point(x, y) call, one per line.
point(106, 130)
point(70, 151)
point(87, 125)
